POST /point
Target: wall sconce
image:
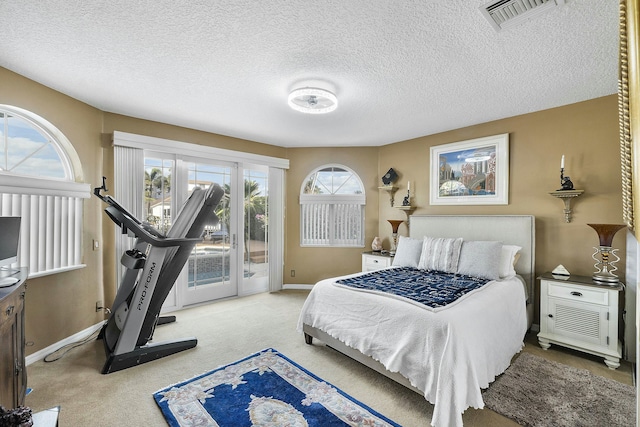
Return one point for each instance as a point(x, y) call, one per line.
point(566, 192)
point(566, 197)
point(391, 190)
point(406, 203)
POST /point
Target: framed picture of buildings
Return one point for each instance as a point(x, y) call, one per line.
point(473, 172)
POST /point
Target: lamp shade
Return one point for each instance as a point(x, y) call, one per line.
point(606, 232)
point(395, 223)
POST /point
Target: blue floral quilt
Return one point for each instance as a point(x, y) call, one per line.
point(435, 289)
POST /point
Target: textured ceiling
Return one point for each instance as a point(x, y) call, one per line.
point(400, 69)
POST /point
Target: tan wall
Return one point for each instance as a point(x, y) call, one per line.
point(121, 123)
point(586, 133)
point(313, 264)
point(61, 305)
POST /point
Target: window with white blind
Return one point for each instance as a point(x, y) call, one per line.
point(332, 201)
point(38, 173)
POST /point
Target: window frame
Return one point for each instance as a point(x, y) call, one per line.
point(331, 202)
point(68, 154)
point(27, 196)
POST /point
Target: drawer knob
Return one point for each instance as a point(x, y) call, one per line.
point(550, 315)
point(9, 310)
point(576, 294)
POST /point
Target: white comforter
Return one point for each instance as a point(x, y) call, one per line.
point(450, 355)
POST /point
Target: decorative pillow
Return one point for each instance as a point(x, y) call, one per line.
point(480, 259)
point(439, 253)
point(508, 259)
point(408, 252)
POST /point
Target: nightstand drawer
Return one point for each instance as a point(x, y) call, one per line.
point(582, 293)
point(372, 262)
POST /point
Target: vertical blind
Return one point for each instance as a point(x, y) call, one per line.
point(128, 186)
point(50, 231)
point(276, 228)
point(41, 184)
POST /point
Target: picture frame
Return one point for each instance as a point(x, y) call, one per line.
point(472, 172)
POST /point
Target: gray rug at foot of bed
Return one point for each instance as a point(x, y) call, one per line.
point(538, 392)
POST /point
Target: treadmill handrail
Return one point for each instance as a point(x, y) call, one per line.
point(128, 223)
point(125, 220)
point(113, 202)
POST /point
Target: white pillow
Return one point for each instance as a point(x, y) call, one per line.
point(408, 252)
point(440, 254)
point(508, 260)
point(480, 259)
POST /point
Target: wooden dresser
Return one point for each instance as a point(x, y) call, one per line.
point(13, 372)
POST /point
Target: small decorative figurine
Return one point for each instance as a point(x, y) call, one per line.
point(376, 245)
point(407, 200)
point(566, 183)
point(390, 177)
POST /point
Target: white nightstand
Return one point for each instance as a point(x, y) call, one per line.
point(580, 314)
point(372, 261)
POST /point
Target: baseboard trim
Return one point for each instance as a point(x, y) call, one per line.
point(41, 354)
point(299, 286)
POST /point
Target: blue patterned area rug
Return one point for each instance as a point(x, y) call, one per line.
point(264, 389)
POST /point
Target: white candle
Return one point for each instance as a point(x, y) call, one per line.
point(562, 162)
point(408, 185)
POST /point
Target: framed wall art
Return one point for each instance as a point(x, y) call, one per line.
point(473, 172)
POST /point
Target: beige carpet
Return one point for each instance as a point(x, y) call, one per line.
point(227, 331)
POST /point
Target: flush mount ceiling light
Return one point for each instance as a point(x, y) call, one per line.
point(313, 100)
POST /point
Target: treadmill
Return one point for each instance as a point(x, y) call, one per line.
point(152, 267)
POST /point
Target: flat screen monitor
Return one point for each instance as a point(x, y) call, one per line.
point(9, 239)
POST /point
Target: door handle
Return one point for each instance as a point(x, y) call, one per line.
point(234, 241)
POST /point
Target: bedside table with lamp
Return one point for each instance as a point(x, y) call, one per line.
point(581, 312)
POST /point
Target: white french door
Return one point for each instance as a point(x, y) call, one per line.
point(240, 255)
point(212, 269)
point(233, 258)
point(255, 229)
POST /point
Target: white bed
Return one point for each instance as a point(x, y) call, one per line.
point(447, 355)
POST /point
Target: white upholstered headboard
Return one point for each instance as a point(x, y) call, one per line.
point(508, 229)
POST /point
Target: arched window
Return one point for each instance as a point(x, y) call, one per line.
point(332, 203)
point(38, 172)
